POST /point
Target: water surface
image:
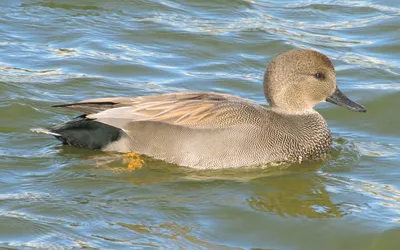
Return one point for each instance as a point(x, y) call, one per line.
point(59, 197)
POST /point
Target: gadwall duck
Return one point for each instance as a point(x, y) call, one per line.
point(212, 130)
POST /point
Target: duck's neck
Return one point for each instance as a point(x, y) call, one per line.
point(294, 112)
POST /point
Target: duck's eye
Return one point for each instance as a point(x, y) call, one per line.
point(319, 76)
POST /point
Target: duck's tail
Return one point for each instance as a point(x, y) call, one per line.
point(44, 131)
point(83, 133)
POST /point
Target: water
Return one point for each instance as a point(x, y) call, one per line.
point(65, 51)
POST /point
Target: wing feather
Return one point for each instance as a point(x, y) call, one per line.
point(191, 109)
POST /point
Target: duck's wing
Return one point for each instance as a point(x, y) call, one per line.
point(100, 104)
point(190, 109)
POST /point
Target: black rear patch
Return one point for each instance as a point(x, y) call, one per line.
point(86, 133)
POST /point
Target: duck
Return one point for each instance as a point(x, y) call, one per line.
point(208, 130)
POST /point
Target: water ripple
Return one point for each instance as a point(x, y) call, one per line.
point(58, 197)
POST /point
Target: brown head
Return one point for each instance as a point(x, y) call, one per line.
point(297, 80)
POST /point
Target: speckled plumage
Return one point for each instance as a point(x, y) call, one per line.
point(211, 130)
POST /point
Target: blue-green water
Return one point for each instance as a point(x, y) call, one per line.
point(57, 197)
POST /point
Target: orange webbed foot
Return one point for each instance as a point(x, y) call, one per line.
point(135, 160)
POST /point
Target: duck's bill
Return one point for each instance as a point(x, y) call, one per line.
point(340, 99)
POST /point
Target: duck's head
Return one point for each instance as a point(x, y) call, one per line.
point(297, 80)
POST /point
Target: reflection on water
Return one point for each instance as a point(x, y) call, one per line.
point(295, 196)
point(169, 231)
point(287, 191)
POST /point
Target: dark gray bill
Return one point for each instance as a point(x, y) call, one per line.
point(340, 99)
